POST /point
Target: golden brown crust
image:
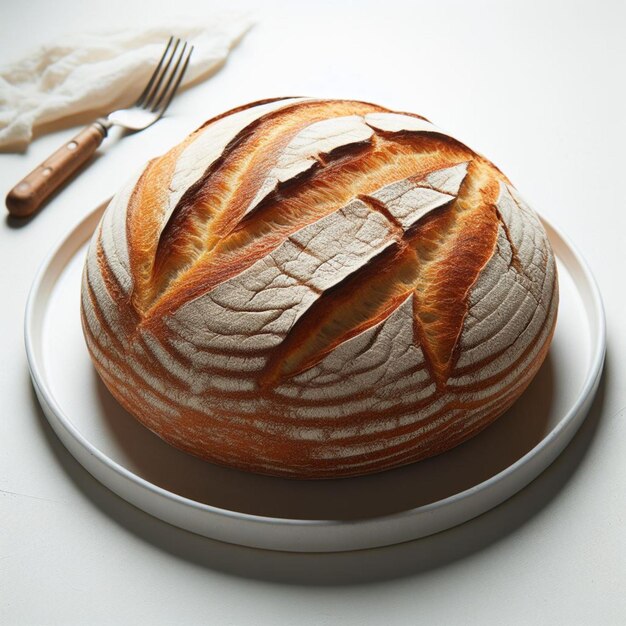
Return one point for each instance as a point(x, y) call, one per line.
point(312, 288)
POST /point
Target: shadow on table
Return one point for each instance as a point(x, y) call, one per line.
point(347, 568)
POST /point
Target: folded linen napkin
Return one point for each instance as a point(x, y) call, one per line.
point(102, 72)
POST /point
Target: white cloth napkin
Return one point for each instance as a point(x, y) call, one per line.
point(98, 73)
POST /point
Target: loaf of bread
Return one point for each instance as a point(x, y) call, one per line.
point(318, 288)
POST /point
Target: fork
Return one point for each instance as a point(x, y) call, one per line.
point(33, 190)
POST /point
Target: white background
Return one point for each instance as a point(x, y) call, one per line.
point(539, 87)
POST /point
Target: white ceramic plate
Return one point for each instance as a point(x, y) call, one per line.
point(347, 514)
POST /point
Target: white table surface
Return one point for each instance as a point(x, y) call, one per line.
point(536, 86)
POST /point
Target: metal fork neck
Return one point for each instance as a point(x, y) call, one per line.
point(103, 125)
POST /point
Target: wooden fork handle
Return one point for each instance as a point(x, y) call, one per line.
point(33, 190)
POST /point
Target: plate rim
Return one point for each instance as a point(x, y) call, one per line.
point(46, 397)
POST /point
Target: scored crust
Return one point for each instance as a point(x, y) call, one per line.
point(318, 288)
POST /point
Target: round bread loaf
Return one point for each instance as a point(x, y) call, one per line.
point(318, 288)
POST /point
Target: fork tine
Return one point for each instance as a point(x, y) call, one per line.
point(170, 79)
point(157, 69)
point(148, 101)
point(177, 82)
